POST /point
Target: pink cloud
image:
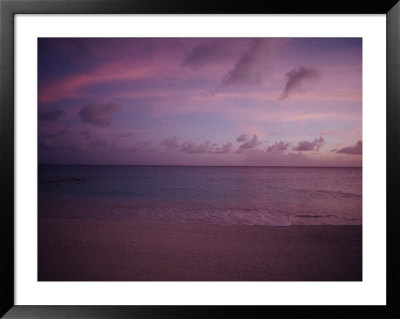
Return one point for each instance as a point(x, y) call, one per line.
point(69, 87)
point(328, 133)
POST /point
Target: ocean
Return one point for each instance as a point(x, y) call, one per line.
point(275, 196)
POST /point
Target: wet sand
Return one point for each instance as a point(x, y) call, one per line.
point(93, 250)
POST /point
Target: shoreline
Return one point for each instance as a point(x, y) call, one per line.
point(117, 250)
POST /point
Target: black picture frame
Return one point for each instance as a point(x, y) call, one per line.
point(8, 9)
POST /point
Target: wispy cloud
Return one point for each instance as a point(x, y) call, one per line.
point(209, 51)
point(296, 77)
point(71, 86)
point(250, 67)
point(189, 96)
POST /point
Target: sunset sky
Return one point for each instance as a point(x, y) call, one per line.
point(200, 101)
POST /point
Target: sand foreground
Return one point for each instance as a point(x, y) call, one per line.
point(93, 250)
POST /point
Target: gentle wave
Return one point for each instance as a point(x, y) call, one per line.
point(219, 195)
point(325, 193)
point(89, 208)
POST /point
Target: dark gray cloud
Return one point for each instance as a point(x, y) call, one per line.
point(209, 51)
point(248, 145)
point(99, 114)
point(310, 146)
point(242, 138)
point(250, 67)
point(225, 149)
point(192, 147)
point(352, 150)
point(295, 79)
point(50, 116)
point(170, 144)
point(278, 147)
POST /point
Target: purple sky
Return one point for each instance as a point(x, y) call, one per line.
point(201, 101)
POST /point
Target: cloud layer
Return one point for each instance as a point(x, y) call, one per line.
point(208, 146)
point(245, 145)
point(192, 98)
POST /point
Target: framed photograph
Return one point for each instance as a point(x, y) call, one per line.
point(163, 158)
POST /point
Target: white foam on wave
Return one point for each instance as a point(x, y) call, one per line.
point(220, 217)
point(256, 217)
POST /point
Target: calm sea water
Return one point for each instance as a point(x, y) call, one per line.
point(278, 196)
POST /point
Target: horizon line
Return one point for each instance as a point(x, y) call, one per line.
point(170, 165)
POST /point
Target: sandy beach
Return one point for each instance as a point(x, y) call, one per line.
point(94, 250)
